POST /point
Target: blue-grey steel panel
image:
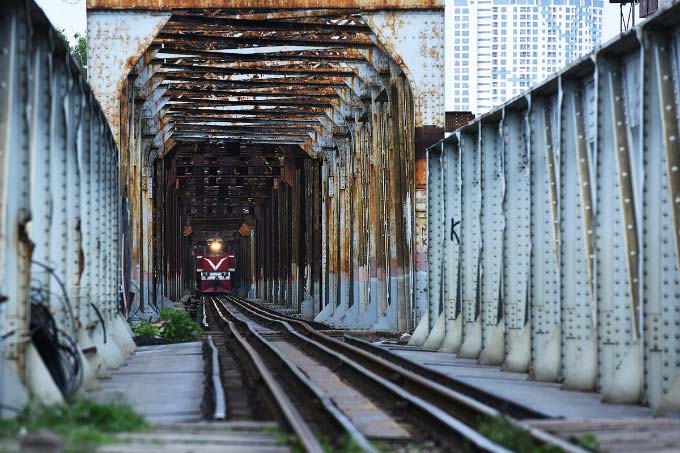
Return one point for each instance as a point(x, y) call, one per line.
point(545, 290)
point(516, 241)
point(51, 129)
point(492, 226)
point(471, 244)
point(451, 258)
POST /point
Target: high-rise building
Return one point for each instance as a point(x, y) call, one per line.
point(502, 47)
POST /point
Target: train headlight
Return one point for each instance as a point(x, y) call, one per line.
point(215, 246)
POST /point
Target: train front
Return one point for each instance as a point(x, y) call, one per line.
point(216, 267)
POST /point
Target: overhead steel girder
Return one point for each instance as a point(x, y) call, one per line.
point(212, 129)
point(171, 131)
point(152, 73)
point(189, 56)
point(310, 8)
point(244, 138)
point(167, 68)
point(220, 43)
point(224, 24)
point(337, 70)
point(341, 111)
point(163, 101)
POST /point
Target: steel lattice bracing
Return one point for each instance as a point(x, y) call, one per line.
point(558, 215)
point(296, 130)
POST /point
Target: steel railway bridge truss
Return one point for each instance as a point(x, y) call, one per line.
point(556, 219)
point(298, 132)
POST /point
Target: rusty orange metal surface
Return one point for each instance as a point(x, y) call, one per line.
point(264, 4)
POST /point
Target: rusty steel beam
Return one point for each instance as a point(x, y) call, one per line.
point(216, 42)
point(218, 118)
point(280, 91)
point(228, 165)
point(367, 5)
point(211, 23)
point(266, 153)
point(255, 82)
point(171, 68)
point(217, 177)
point(341, 93)
point(240, 139)
point(201, 101)
point(298, 15)
point(222, 135)
point(187, 90)
point(211, 127)
point(253, 116)
point(328, 54)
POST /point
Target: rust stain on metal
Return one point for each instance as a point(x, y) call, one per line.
point(264, 4)
point(291, 118)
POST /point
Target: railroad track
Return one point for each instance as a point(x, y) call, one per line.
point(273, 371)
point(409, 409)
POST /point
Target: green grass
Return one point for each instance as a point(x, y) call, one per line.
point(587, 441)
point(502, 432)
point(82, 424)
point(344, 445)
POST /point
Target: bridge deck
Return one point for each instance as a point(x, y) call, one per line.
point(546, 397)
point(164, 383)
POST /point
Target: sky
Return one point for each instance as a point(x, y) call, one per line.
point(69, 15)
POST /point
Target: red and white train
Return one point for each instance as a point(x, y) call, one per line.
point(214, 269)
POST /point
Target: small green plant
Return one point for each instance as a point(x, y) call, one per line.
point(82, 424)
point(145, 329)
point(178, 325)
point(290, 440)
point(587, 441)
point(501, 431)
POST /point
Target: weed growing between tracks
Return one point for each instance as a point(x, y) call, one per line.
point(502, 432)
point(82, 424)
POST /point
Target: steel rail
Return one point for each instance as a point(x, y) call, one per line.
point(220, 412)
point(204, 315)
point(288, 412)
point(466, 409)
point(511, 408)
point(276, 315)
point(449, 431)
point(503, 405)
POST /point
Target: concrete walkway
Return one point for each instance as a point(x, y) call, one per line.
point(546, 397)
point(205, 437)
point(164, 383)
